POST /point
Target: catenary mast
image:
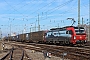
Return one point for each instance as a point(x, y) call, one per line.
point(78, 12)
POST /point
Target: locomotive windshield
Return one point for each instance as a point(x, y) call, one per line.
point(79, 30)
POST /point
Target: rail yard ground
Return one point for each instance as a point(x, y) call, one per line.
point(39, 55)
point(34, 55)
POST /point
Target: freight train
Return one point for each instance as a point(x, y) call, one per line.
point(65, 35)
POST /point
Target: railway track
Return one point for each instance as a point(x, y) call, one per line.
point(16, 53)
point(87, 45)
point(73, 53)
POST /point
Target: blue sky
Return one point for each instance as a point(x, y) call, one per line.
point(21, 15)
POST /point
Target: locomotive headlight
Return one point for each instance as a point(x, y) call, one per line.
point(74, 37)
point(85, 41)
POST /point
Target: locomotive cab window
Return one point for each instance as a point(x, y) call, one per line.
point(69, 32)
point(79, 30)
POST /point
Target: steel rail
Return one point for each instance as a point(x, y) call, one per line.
point(6, 55)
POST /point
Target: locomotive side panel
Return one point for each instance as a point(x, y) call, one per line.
point(58, 36)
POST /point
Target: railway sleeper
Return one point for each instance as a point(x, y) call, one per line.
point(80, 55)
point(83, 53)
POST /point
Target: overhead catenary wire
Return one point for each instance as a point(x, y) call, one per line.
point(59, 6)
point(84, 7)
point(13, 8)
point(25, 5)
point(44, 19)
point(43, 7)
point(47, 12)
point(29, 6)
point(20, 3)
point(36, 11)
point(62, 5)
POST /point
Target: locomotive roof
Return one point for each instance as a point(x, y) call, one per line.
point(79, 27)
point(76, 27)
point(64, 28)
point(58, 29)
